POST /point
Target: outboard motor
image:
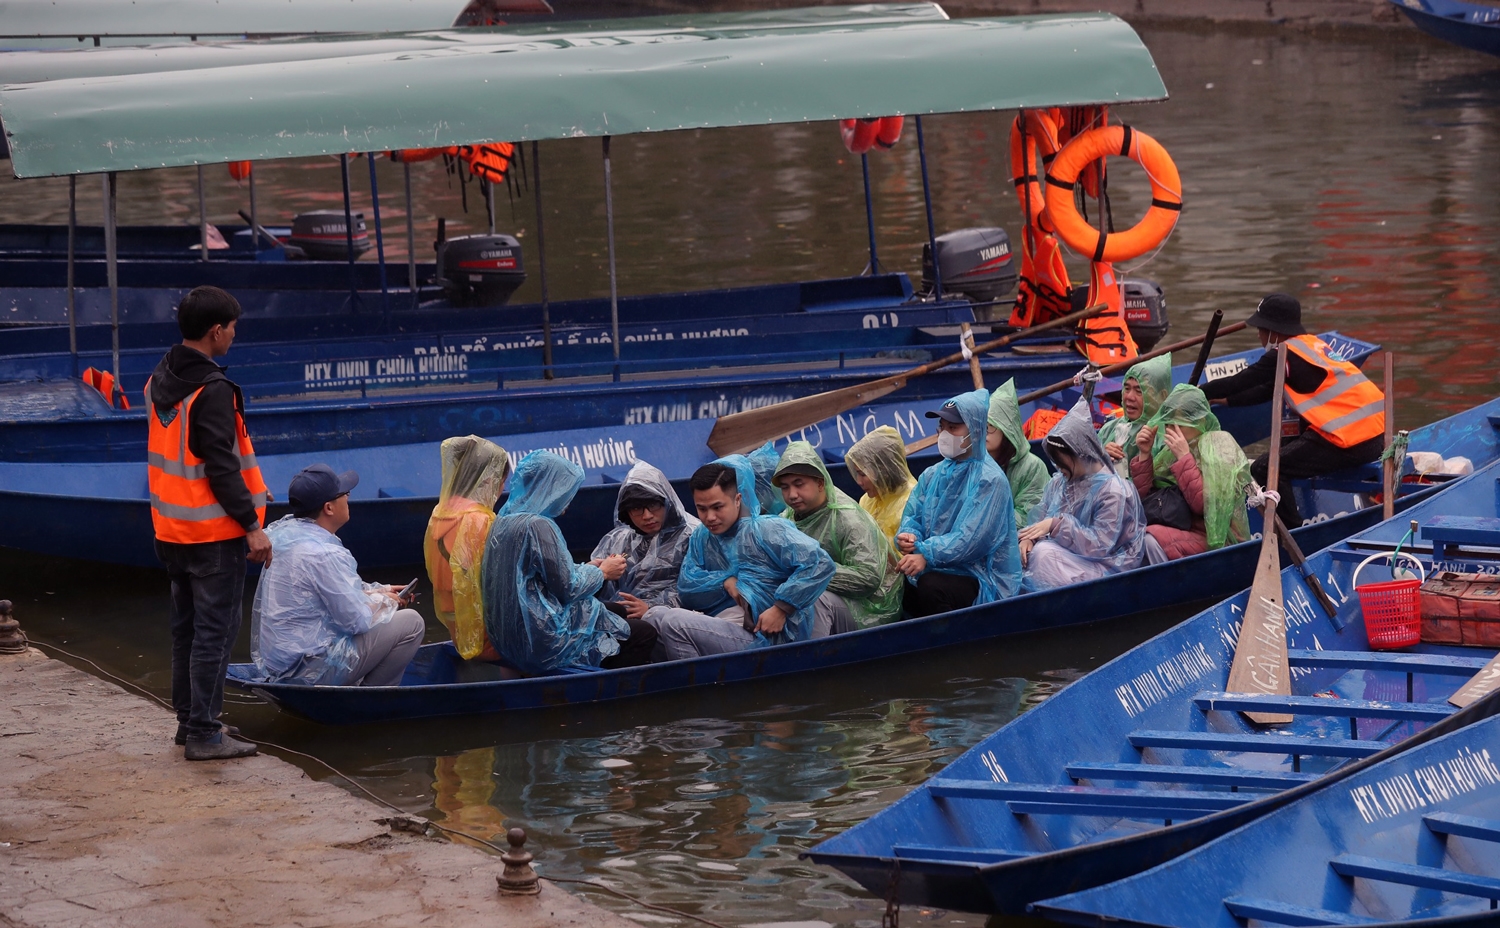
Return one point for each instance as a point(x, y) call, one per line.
point(975, 262)
point(480, 270)
point(1145, 309)
point(322, 236)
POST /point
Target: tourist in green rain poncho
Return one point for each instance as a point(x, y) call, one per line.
point(864, 562)
point(1010, 448)
point(1183, 447)
point(1144, 388)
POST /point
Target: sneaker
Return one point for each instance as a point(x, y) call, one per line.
point(224, 748)
point(181, 737)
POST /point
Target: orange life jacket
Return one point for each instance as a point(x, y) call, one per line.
point(1346, 408)
point(1106, 337)
point(104, 382)
point(1042, 292)
point(1039, 423)
point(184, 509)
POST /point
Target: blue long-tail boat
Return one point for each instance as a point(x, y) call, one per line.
point(1411, 840)
point(435, 684)
point(1470, 25)
point(1147, 757)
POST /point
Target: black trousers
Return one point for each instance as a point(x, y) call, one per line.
point(936, 592)
point(1311, 455)
point(635, 650)
point(208, 593)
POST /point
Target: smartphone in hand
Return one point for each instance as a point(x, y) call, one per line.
point(408, 592)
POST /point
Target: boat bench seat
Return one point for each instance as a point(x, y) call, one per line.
point(1464, 826)
point(978, 855)
point(1282, 913)
point(1318, 705)
point(1455, 531)
point(1371, 868)
point(1169, 773)
point(1039, 799)
point(1456, 665)
point(1256, 743)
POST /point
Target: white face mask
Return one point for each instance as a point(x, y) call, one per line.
point(952, 446)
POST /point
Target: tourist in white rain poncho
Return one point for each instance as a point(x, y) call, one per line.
point(651, 532)
point(1089, 523)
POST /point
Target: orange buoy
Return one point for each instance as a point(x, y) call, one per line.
point(239, 170)
point(858, 134)
point(888, 132)
point(413, 155)
point(1166, 193)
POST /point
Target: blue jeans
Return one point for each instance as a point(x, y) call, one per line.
point(208, 593)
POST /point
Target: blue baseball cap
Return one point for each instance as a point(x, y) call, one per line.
point(317, 484)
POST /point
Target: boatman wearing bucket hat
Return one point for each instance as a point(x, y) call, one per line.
point(1342, 411)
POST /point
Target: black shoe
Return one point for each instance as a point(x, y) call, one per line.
point(181, 737)
point(225, 748)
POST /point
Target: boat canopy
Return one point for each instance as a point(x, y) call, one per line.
point(553, 82)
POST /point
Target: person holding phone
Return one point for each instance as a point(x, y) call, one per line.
point(314, 621)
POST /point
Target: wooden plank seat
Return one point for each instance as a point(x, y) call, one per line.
point(1317, 705)
point(978, 855)
point(1170, 773)
point(1282, 913)
point(1447, 881)
point(1464, 826)
point(1450, 665)
point(1295, 745)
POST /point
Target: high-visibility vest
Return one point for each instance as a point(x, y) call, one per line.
point(1346, 408)
point(184, 509)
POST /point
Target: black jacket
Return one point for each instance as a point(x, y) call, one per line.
point(211, 432)
point(1256, 383)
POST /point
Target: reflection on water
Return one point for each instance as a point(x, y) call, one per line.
point(1358, 174)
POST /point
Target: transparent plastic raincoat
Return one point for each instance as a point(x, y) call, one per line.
point(539, 606)
point(309, 605)
point(1155, 379)
point(881, 456)
point(1098, 515)
point(652, 563)
point(763, 461)
point(769, 558)
point(1026, 472)
point(474, 472)
point(1220, 460)
point(962, 515)
point(864, 563)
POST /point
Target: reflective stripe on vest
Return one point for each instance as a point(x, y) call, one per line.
point(184, 509)
point(1346, 408)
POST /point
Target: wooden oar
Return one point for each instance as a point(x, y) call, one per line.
point(1294, 551)
point(1260, 661)
point(1388, 468)
point(1034, 395)
point(967, 335)
point(1480, 685)
point(745, 431)
point(1208, 345)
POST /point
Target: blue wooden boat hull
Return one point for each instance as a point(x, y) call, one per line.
point(431, 687)
point(976, 854)
point(64, 421)
point(1285, 861)
point(1469, 25)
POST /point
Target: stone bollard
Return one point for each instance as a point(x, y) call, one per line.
point(12, 639)
point(518, 879)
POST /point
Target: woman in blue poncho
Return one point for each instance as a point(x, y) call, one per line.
point(539, 607)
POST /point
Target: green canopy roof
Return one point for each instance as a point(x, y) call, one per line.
point(552, 82)
point(203, 18)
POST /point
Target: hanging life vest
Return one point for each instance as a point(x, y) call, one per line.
point(184, 509)
point(413, 155)
point(1042, 290)
point(489, 160)
point(860, 135)
point(104, 382)
point(1105, 338)
point(1346, 408)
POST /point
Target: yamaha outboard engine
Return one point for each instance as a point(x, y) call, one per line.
point(480, 270)
point(975, 262)
point(322, 235)
point(1145, 309)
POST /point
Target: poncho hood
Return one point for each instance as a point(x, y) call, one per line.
point(645, 478)
point(544, 485)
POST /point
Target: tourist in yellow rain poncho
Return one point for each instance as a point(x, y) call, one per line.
point(474, 472)
point(877, 463)
point(1010, 448)
point(1143, 390)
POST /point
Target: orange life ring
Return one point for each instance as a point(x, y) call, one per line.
point(239, 170)
point(1166, 193)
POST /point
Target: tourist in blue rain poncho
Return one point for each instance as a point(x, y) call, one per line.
point(958, 533)
point(539, 607)
point(1089, 523)
point(748, 580)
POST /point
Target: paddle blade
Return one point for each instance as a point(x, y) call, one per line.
point(745, 431)
point(1260, 661)
point(921, 444)
point(1480, 685)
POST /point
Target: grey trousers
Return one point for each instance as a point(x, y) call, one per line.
point(683, 633)
point(386, 649)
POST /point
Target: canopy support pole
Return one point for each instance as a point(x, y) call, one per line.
point(112, 265)
point(72, 290)
point(254, 218)
point(489, 204)
point(541, 258)
point(864, 163)
point(202, 219)
point(411, 238)
point(937, 271)
point(385, 295)
point(614, 301)
point(349, 233)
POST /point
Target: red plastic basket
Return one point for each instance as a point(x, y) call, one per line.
point(1392, 610)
